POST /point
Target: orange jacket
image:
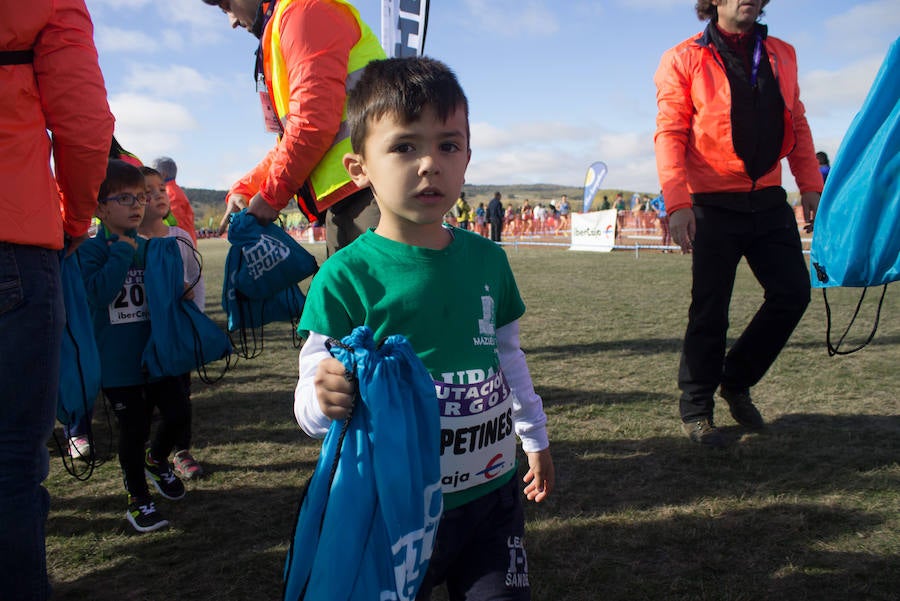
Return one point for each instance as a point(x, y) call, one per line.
point(694, 148)
point(61, 91)
point(181, 208)
point(316, 39)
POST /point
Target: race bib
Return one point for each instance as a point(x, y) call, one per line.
point(478, 441)
point(130, 304)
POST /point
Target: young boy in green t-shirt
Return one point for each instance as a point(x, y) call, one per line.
point(452, 294)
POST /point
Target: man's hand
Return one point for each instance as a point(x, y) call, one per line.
point(334, 389)
point(809, 202)
point(683, 227)
point(262, 210)
point(72, 244)
point(236, 202)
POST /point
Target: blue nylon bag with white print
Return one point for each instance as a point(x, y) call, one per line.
point(182, 338)
point(79, 371)
point(262, 270)
point(367, 523)
point(270, 259)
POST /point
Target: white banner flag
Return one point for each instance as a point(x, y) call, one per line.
point(594, 231)
point(403, 26)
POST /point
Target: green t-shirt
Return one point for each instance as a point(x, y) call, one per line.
point(448, 303)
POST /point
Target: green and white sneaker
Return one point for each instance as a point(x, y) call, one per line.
point(163, 478)
point(142, 514)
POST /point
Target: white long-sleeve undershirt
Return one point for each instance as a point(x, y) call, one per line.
point(528, 410)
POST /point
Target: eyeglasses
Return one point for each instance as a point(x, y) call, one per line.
point(128, 200)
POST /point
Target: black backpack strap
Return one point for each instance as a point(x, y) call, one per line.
point(16, 57)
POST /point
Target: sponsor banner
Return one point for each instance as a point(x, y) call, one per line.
point(403, 27)
point(594, 231)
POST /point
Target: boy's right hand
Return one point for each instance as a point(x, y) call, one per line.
point(132, 242)
point(334, 389)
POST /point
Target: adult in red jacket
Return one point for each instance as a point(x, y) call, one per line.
point(729, 111)
point(310, 54)
point(49, 80)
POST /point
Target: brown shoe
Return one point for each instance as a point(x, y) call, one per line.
point(742, 408)
point(704, 432)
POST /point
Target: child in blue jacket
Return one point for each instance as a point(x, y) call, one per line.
point(112, 264)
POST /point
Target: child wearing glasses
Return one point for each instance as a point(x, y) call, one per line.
point(112, 265)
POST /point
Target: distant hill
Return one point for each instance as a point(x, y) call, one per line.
point(204, 197)
point(214, 200)
point(210, 204)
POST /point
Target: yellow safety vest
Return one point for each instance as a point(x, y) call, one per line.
point(329, 181)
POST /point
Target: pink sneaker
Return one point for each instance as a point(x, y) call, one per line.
point(186, 466)
point(80, 448)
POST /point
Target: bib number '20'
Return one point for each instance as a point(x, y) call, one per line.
point(130, 304)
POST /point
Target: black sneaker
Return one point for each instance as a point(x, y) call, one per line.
point(143, 516)
point(163, 478)
point(742, 408)
point(704, 432)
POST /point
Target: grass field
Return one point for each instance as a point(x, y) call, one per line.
point(808, 509)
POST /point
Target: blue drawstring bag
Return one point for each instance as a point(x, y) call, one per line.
point(262, 270)
point(374, 502)
point(245, 313)
point(79, 371)
point(182, 338)
point(270, 259)
point(855, 241)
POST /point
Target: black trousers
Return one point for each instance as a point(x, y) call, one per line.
point(349, 219)
point(480, 549)
point(770, 242)
point(133, 407)
point(496, 228)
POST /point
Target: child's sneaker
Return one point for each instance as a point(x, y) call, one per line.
point(80, 448)
point(163, 478)
point(143, 516)
point(186, 466)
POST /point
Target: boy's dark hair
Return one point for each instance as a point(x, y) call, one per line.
point(119, 174)
point(145, 171)
point(402, 87)
point(707, 12)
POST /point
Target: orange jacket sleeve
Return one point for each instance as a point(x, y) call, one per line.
point(61, 91)
point(673, 125)
point(73, 96)
point(802, 159)
point(316, 39)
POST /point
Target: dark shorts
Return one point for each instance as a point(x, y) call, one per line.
point(480, 550)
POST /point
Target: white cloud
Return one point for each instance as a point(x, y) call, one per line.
point(513, 18)
point(650, 4)
point(150, 127)
point(864, 28)
point(828, 93)
point(117, 4)
point(169, 81)
point(559, 153)
point(116, 40)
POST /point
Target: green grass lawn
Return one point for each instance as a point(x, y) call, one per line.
point(808, 509)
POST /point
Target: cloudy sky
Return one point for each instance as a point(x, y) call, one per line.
point(553, 84)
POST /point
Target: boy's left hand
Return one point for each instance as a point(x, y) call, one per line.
point(540, 477)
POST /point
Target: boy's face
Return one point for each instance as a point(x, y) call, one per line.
point(157, 199)
point(118, 217)
point(416, 171)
